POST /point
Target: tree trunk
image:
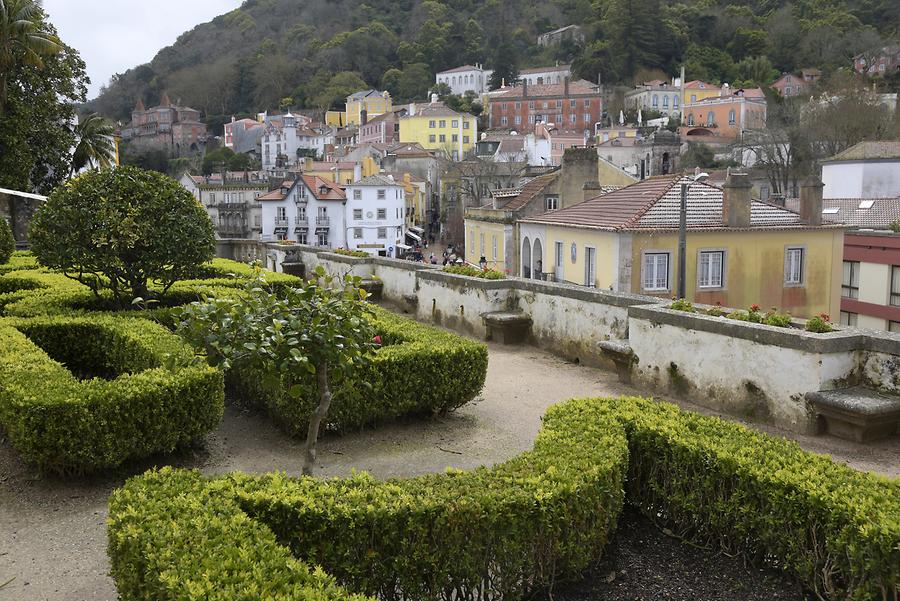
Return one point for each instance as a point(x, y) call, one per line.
point(315, 420)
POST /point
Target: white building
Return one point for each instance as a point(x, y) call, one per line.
point(376, 216)
point(546, 75)
point(655, 95)
point(867, 170)
point(289, 138)
point(468, 78)
point(308, 210)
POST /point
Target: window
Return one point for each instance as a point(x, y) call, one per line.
point(665, 102)
point(481, 240)
point(518, 105)
point(656, 271)
point(531, 119)
point(443, 123)
point(382, 233)
point(466, 124)
point(895, 285)
point(655, 102)
point(518, 119)
point(559, 104)
point(893, 326)
point(432, 138)
point(560, 254)
point(212, 197)
point(465, 139)
point(301, 213)
point(442, 138)
point(552, 203)
point(301, 238)
point(382, 213)
point(710, 118)
point(531, 104)
point(503, 121)
point(357, 233)
point(494, 246)
point(731, 117)
point(357, 195)
point(850, 281)
point(257, 220)
point(675, 102)
point(357, 214)
point(322, 238)
point(711, 269)
point(572, 118)
point(381, 195)
point(764, 193)
point(590, 267)
point(587, 103)
point(545, 105)
point(793, 267)
point(281, 214)
point(573, 103)
point(455, 138)
point(454, 123)
point(690, 119)
point(850, 319)
point(586, 117)
point(432, 124)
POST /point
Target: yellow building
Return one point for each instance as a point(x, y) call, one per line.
point(695, 91)
point(373, 102)
point(341, 172)
point(437, 127)
point(740, 251)
point(336, 118)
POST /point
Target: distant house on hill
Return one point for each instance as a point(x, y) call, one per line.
point(174, 129)
point(558, 36)
point(791, 84)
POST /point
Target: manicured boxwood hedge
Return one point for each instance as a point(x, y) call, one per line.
point(500, 533)
point(418, 369)
point(19, 260)
point(82, 393)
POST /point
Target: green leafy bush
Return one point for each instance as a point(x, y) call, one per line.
point(475, 272)
point(79, 394)
point(418, 369)
point(681, 304)
point(716, 310)
point(352, 253)
point(778, 319)
point(820, 324)
point(510, 530)
point(119, 230)
point(19, 260)
point(7, 242)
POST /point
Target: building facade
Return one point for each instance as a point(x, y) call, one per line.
point(656, 96)
point(435, 126)
point(308, 210)
point(372, 102)
point(467, 78)
point(376, 216)
point(572, 105)
point(866, 170)
point(286, 140)
point(569, 33)
point(383, 129)
point(726, 116)
point(792, 84)
point(546, 75)
point(174, 129)
point(886, 61)
point(243, 135)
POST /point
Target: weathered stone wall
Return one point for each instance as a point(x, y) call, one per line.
point(756, 371)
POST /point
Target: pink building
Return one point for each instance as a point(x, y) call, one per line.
point(175, 129)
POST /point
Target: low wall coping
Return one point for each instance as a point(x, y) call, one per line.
point(465, 280)
point(404, 264)
point(839, 341)
point(596, 295)
point(339, 258)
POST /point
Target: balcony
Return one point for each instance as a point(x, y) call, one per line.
point(281, 223)
point(301, 220)
point(323, 221)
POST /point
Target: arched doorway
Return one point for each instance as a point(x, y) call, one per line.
point(526, 258)
point(538, 257)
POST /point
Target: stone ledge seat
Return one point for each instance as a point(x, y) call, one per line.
point(507, 327)
point(858, 413)
point(621, 354)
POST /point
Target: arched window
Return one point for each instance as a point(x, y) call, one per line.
point(655, 101)
point(526, 258)
point(675, 102)
point(537, 258)
point(665, 102)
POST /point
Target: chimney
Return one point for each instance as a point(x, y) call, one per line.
point(566, 87)
point(524, 87)
point(811, 200)
point(736, 200)
point(363, 117)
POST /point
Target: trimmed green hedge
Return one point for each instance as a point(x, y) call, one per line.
point(79, 394)
point(20, 259)
point(418, 369)
point(503, 532)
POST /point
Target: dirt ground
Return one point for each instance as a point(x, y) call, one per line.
point(52, 531)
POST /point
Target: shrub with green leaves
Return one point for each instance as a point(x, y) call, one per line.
point(78, 394)
point(360, 254)
point(475, 272)
point(7, 242)
point(681, 304)
point(121, 230)
point(514, 529)
point(820, 324)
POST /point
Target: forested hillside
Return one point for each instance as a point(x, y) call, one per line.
point(311, 53)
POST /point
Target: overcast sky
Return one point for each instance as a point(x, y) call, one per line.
point(114, 35)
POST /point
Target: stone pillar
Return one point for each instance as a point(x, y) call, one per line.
point(811, 200)
point(736, 200)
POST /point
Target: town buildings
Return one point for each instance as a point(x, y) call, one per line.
point(372, 102)
point(866, 170)
point(569, 33)
point(174, 129)
point(435, 126)
point(376, 216)
point(243, 135)
point(467, 78)
point(739, 251)
point(382, 129)
point(290, 138)
point(546, 75)
point(656, 95)
point(726, 116)
point(791, 84)
point(574, 105)
point(696, 90)
point(230, 202)
point(307, 210)
point(641, 156)
point(886, 60)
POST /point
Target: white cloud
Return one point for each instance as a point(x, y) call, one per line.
point(113, 36)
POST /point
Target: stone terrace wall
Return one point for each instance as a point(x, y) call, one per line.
point(752, 370)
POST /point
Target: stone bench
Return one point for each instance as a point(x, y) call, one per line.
point(507, 327)
point(859, 414)
point(621, 354)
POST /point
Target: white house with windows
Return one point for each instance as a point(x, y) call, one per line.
point(376, 216)
point(537, 76)
point(739, 251)
point(290, 137)
point(467, 78)
point(308, 210)
point(655, 95)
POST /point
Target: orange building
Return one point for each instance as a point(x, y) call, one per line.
point(725, 116)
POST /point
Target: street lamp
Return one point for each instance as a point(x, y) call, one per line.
point(682, 235)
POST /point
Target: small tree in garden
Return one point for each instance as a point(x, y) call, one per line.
point(121, 230)
point(320, 329)
point(7, 242)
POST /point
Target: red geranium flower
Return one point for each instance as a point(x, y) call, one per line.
point(377, 340)
point(754, 308)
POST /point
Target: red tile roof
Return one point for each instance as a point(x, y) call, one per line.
point(576, 88)
point(333, 191)
point(529, 191)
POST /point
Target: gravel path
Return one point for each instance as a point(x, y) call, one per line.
point(52, 531)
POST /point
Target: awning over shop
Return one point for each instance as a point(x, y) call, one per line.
point(281, 230)
point(403, 246)
point(414, 236)
point(301, 229)
point(417, 229)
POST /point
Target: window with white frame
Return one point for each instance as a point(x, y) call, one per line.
point(655, 271)
point(432, 124)
point(381, 195)
point(454, 123)
point(281, 213)
point(357, 233)
point(433, 138)
point(322, 238)
point(357, 214)
point(494, 246)
point(443, 123)
point(895, 285)
point(552, 203)
point(793, 266)
point(848, 319)
point(465, 125)
point(711, 269)
point(301, 238)
point(382, 213)
point(357, 195)
point(472, 242)
point(850, 280)
point(382, 233)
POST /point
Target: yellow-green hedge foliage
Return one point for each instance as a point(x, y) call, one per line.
point(155, 396)
point(506, 531)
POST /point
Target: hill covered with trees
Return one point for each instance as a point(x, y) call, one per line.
point(312, 53)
